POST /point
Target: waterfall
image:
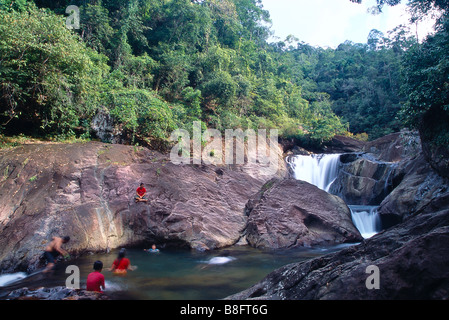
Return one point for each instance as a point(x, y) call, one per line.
point(6, 279)
point(366, 219)
point(319, 169)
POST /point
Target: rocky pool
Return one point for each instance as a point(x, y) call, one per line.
point(174, 274)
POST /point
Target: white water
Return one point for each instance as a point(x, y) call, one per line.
point(319, 169)
point(220, 260)
point(10, 278)
point(366, 219)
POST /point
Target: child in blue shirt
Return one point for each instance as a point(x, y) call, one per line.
point(152, 250)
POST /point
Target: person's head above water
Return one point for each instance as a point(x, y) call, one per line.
point(98, 265)
point(122, 253)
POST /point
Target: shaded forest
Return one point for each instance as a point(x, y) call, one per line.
point(159, 65)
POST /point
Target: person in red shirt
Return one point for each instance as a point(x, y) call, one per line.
point(95, 280)
point(121, 265)
point(141, 193)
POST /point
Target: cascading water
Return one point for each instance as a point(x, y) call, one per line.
point(11, 278)
point(366, 219)
point(321, 170)
point(318, 169)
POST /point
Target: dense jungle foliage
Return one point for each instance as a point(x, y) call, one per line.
point(158, 65)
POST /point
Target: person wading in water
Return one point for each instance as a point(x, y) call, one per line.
point(53, 250)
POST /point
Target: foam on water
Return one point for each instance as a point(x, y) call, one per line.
point(7, 279)
point(220, 260)
point(112, 286)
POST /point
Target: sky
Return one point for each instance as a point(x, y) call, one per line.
point(327, 23)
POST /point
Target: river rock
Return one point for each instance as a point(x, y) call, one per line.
point(366, 178)
point(55, 293)
point(395, 147)
point(418, 187)
point(410, 259)
point(363, 181)
point(290, 213)
point(86, 191)
point(343, 144)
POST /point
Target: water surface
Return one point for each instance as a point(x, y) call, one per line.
point(179, 274)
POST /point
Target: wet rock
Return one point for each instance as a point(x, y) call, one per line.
point(364, 180)
point(419, 186)
point(411, 258)
point(395, 147)
point(55, 293)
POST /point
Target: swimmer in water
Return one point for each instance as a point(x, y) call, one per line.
point(95, 279)
point(152, 250)
point(121, 265)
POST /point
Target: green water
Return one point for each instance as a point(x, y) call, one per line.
point(185, 274)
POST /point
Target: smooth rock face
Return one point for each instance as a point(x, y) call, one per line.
point(289, 213)
point(86, 191)
point(419, 187)
point(392, 172)
point(394, 147)
point(364, 181)
point(368, 177)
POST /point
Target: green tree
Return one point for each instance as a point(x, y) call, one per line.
point(142, 115)
point(97, 31)
point(158, 65)
point(49, 78)
point(426, 74)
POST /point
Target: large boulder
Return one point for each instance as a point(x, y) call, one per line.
point(366, 178)
point(343, 144)
point(289, 213)
point(418, 186)
point(409, 262)
point(394, 147)
point(364, 181)
point(86, 191)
